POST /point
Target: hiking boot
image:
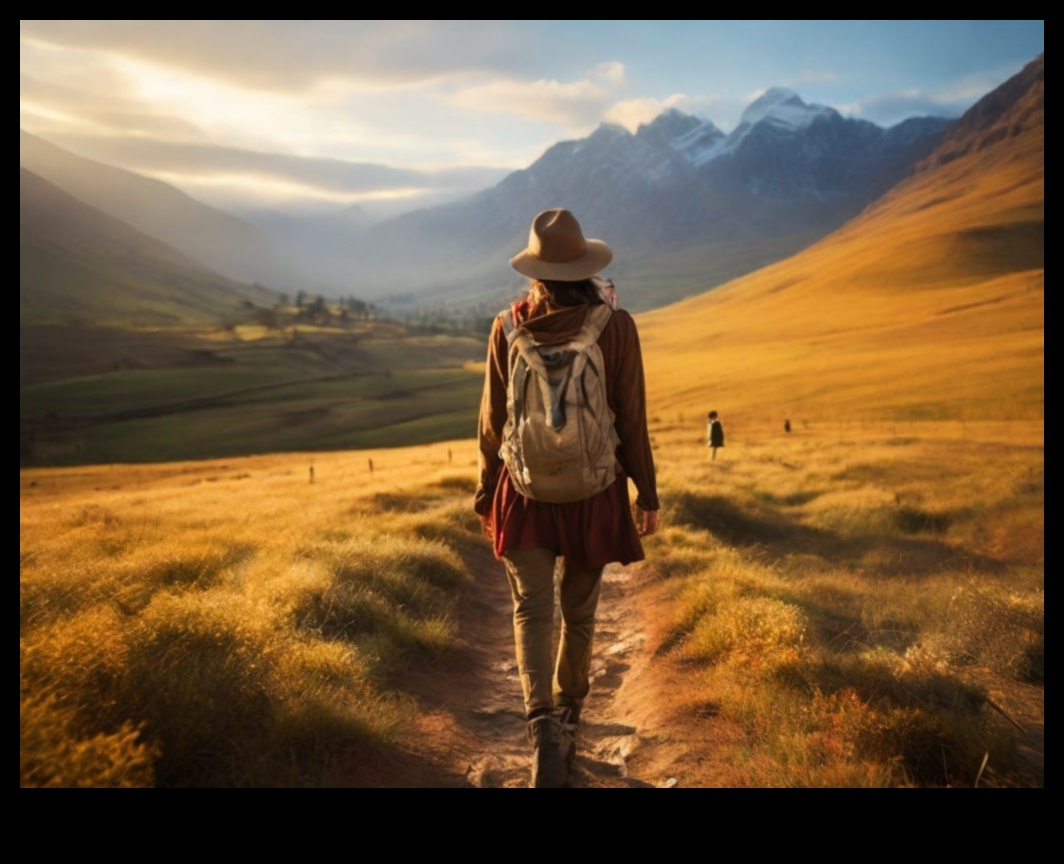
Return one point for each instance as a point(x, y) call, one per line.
point(568, 717)
point(550, 763)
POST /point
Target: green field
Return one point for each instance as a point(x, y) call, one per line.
point(306, 390)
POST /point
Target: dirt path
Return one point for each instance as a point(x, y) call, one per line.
point(639, 729)
point(470, 731)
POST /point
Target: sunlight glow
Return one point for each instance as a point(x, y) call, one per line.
point(32, 108)
point(248, 117)
point(268, 188)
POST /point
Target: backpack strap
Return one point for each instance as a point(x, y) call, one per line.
point(597, 318)
point(508, 320)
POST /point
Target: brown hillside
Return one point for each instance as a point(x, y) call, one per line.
point(1015, 109)
point(928, 305)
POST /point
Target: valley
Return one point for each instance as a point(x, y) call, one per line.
point(248, 555)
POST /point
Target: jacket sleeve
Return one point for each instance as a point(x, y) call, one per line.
point(492, 419)
point(630, 408)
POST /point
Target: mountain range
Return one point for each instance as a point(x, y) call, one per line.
point(928, 305)
point(684, 205)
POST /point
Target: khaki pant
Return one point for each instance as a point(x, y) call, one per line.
point(547, 681)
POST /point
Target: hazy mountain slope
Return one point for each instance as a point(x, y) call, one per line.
point(78, 265)
point(223, 243)
point(929, 304)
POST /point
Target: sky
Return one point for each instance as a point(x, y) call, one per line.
point(313, 116)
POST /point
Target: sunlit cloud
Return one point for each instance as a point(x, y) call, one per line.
point(571, 104)
point(293, 56)
point(91, 90)
point(34, 113)
point(270, 189)
point(633, 113)
point(232, 173)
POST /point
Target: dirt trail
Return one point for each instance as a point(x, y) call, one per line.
point(639, 728)
point(470, 731)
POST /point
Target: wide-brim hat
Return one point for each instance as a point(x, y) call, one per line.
point(558, 250)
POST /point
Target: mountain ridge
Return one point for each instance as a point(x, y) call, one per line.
point(218, 240)
point(676, 189)
point(79, 265)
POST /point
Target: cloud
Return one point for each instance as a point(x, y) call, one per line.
point(229, 173)
point(68, 91)
point(51, 109)
point(632, 113)
point(571, 104)
point(950, 100)
point(886, 109)
point(150, 156)
point(294, 55)
point(61, 90)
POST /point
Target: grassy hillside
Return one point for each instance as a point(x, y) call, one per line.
point(846, 606)
point(223, 243)
point(929, 305)
point(77, 265)
point(853, 605)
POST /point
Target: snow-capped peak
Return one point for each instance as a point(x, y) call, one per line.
point(783, 107)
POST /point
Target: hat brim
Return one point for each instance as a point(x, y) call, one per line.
point(596, 257)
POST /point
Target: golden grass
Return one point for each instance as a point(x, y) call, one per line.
point(844, 599)
point(231, 623)
point(854, 601)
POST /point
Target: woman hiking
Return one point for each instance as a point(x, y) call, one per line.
point(562, 429)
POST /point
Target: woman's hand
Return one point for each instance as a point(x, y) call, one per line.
point(646, 521)
point(487, 526)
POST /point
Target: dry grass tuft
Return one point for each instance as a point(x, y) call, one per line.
point(187, 634)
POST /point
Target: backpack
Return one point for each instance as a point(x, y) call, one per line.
point(559, 442)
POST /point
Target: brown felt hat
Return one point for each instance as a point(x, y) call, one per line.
point(558, 250)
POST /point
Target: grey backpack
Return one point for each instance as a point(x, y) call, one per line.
point(559, 443)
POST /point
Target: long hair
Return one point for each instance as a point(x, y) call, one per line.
point(547, 295)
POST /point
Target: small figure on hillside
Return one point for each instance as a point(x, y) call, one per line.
point(370, 466)
point(786, 425)
point(311, 473)
point(714, 434)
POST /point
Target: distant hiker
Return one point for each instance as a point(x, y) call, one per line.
point(370, 466)
point(786, 425)
point(311, 473)
point(714, 433)
point(554, 470)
